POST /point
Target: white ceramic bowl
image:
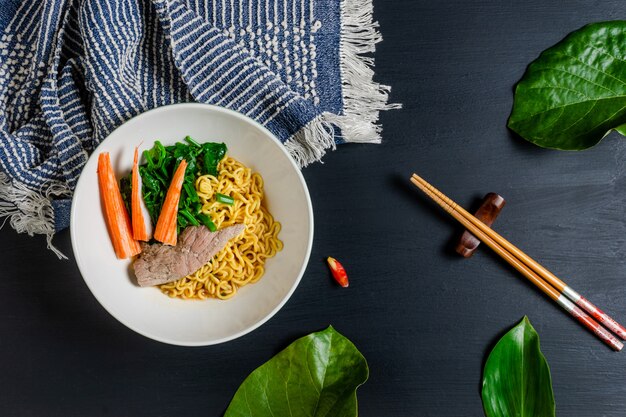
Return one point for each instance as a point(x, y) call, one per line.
point(194, 323)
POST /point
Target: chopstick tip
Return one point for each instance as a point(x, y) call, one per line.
point(416, 178)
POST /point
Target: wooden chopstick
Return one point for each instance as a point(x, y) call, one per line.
point(561, 286)
point(501, 245)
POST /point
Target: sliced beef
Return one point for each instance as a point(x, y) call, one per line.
point(159, 264)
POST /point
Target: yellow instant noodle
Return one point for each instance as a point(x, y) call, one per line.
point(242, 261)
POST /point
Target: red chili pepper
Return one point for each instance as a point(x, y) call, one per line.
point(339, 273)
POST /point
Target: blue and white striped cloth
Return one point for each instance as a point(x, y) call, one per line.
point(71, 71)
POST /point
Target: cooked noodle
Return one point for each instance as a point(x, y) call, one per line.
point(242, 261)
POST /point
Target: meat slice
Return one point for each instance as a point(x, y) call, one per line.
point(159, 264)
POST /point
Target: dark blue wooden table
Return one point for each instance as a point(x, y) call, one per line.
point(423, 317)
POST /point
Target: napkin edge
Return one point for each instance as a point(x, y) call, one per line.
point(363, 98)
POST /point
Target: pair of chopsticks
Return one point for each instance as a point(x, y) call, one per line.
point(553, 287)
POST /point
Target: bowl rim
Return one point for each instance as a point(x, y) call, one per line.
point(279, 145)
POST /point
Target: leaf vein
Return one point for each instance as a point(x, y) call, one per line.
point(577, 76)
point(522, 368)
point(267, 400)
point(556, 87)
point(591, 66)
point(556, 119)
point(606, 53)
point(330, 342)
point(573, 124)
point(287, 392)
point(308, 368)
point(567, 105)
point(602, 122)
point(245, 395)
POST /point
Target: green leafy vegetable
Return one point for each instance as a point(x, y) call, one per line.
point(516, 379)
point(206, 220)
point(224, 199)
point(316, 375)
point(125, 189)
point(156, 175)
point(191, 141)
point(575, 92)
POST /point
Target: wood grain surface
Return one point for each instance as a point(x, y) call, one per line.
point(424, 317)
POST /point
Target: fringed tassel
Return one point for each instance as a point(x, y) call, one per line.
point(312, 141)
point(29, 211)
point(363, 98)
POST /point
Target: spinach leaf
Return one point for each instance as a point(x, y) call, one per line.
point(575, 92)
point(316, 375)
point(125, 190)
point(213, 153)
point(157, 172)
point(516, 379)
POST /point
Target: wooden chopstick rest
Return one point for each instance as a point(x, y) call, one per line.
point(487, 212)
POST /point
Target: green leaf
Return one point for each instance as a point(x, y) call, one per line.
point(126, 190)
point(157, 173)
point(575, 92)
point(516, 379)
point(621, 129)
point(316, 375)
